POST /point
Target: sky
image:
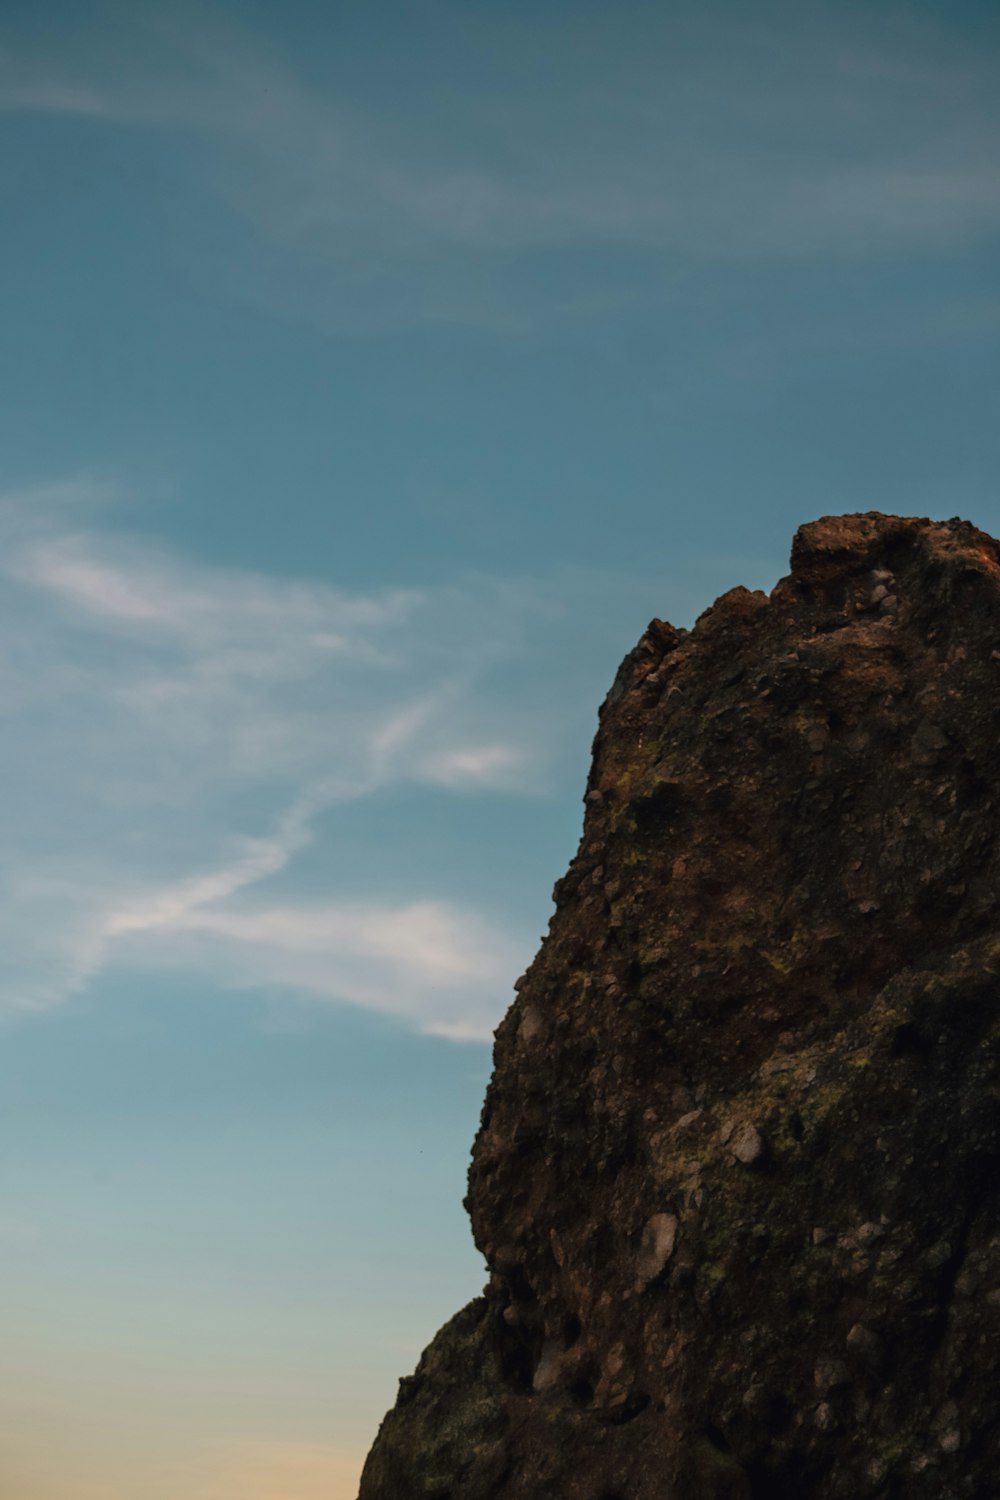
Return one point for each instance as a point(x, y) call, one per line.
point(370, 376)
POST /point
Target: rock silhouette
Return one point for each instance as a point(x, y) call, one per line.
point(736, 1181)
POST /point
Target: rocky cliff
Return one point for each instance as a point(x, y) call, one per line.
point(737, 1177)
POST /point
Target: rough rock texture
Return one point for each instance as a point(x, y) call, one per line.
point(737, 1175)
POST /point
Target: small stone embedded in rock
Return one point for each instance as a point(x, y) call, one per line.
point(946, 1416)
point(928, 740)
point(867, 1345)
point(549, 1365)
point(825, 1417)
point(747, 1145)
point(656, 1246)
point(689, 1119)
point(830, 1375)
point(612, 1389)
point(531, 1024)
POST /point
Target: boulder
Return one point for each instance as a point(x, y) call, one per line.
point(737, 1177)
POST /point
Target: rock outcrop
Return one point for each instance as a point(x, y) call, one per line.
point(737, 1175)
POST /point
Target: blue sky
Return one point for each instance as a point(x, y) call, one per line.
point(370, 377)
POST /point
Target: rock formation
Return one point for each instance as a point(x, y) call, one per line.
point(737, 1176)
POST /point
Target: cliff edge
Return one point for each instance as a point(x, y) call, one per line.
point(736, 1181)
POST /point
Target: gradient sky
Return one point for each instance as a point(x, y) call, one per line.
point(370, 376)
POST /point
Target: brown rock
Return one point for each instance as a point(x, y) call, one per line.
point(747, 1145)
point(799, 813)
point(656, 1247)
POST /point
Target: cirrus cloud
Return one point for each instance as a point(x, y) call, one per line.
point(716, 136)
point(176, 734)
point(181, 740)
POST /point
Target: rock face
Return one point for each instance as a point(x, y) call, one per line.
point(737, 1175)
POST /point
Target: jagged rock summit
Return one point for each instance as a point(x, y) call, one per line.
point(737, 1178)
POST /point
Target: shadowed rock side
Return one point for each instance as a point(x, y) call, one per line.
point(736, 1179)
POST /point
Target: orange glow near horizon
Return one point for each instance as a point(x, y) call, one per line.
point(91, 1468)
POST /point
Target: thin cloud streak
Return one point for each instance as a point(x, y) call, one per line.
point(173, 907)
point(915, 166)
point(156, 708)
point(474, 764)
point(177, 738)
point(441, 968)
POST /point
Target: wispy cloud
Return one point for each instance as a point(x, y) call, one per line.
point(178, 740)
point(157, 711)
point(751, 137)
point(473, 764)
point(30, 90)
point(445, 969)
